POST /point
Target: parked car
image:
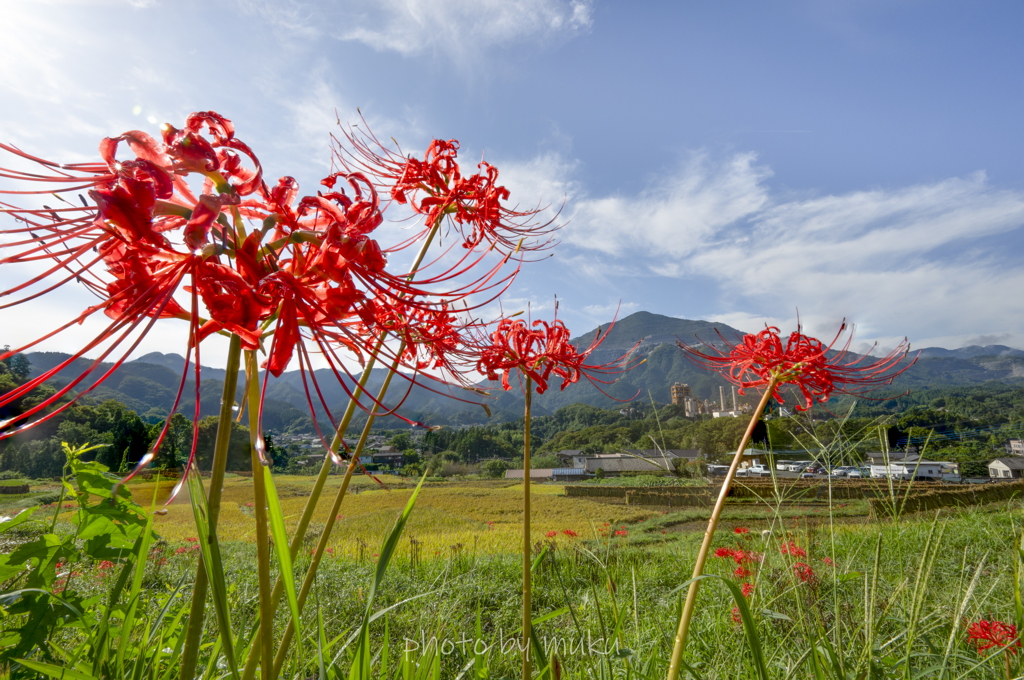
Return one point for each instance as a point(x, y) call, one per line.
point(843, 470)
point(796, 467)
point(783, 464)
point(807, 475)
point(858, 473)
point(814, 469)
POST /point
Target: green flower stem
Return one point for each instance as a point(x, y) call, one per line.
point(702, 556)
point(321, 545)
point(318, 486)
point(527, 608)
point(194, 634)
point(259, 490)
point(307, 514)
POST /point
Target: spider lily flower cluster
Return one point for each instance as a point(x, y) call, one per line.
point(187, 228)
point(541, 349)
point(817, 370)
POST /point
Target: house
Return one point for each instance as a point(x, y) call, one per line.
point(1006, 468)
point(536, 474)
point(578, 459)
point(1015, 447)
point(570, 475)
point(388, 455)
point(883, 457)
point(614, 467)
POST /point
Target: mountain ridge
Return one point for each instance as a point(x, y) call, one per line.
point(149, 383)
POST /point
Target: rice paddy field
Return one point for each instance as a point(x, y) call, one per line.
point(833, 593)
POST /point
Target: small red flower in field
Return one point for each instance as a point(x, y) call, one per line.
point(741, 572)
point(803, 572)
point(763, 359)
point(988, 634)
point(664, 532)
point(192, 539)
point(741, 530)
point(736, 615)
point(748, 588)
point(551, 534)
point(723, 552)
point(621, 532)
point(793, 549)
point(828, 561)
point(105, 565)
point(570, 533)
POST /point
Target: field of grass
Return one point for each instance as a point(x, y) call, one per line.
point(861, 599)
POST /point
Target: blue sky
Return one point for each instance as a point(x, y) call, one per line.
point(730, 161)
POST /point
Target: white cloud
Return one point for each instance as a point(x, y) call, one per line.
point(461, 28)
point(910, 259)
point(677, 215)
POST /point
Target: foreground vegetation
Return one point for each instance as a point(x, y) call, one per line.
point(824, 598)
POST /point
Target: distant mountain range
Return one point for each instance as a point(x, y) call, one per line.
point(148, 384)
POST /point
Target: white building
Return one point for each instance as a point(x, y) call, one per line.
point(1006, 468)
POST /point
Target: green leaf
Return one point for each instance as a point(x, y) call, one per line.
point(214, 568)
point(284, 555)
point(20, 518)
point(60, 672)
point(387, 550)
point(550, 615)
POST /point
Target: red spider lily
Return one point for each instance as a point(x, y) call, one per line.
point(436, 188)
point(741, 530)
point(551, 534)
point(988, 634)
point(827, 561)
point(793, 549)
point(570, 533)
point(741, 572)
point(306, 269)
point(803, 572)
point(763, 359)
point(723, 552)
point(621, 532)
point(748, 589)
point(543, 351)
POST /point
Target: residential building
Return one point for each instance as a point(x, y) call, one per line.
point(388, 455)
point(536, 474)
point(1015, 447)
point(1006, 468)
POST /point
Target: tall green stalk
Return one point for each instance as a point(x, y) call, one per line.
point(314, 497)
point(705, 548)
point(527, 608)
point(194, 634)
point(259, 489)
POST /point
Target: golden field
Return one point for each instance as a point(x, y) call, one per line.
point(473, 516)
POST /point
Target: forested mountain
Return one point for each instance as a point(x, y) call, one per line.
point(148, 384)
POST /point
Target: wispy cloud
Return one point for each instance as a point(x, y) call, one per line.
point(920, 259)
point(463, 28)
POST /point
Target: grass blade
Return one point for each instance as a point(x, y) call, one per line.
point(284, 555)
point(210, 548)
